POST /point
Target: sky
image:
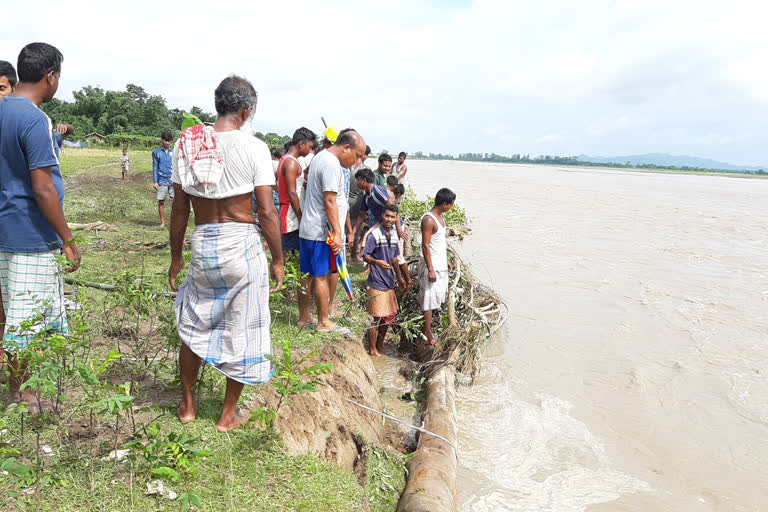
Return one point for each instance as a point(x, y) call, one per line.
point(595, 77)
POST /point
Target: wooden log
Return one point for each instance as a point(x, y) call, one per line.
point(432, 470)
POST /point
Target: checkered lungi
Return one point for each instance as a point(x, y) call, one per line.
point(222, 309)
point(32, 290)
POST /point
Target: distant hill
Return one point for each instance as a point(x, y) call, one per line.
point(663, 159)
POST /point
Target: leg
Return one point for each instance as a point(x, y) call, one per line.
point(189, 365)
point(373, 338)
point(380, 339)
point(229, 418)
point(161, 211)
point(427, 330)
point(333, 283)
point(304, 293)
point(322, 300)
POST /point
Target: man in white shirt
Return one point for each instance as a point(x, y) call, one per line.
point(325, 212)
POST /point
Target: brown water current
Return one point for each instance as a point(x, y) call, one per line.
point(633, 372)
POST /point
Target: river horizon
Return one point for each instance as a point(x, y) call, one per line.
point(631, 372)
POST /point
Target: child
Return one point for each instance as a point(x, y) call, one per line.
point(125, 162)
point(383, 257)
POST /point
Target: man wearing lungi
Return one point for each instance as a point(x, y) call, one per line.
point(222, 308)
point(33, 230)
point(382, 253)
point(434, 264)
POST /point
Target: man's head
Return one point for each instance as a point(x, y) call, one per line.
point(166, 138)
point(276, 153)
point(445, 199)
point(401, 158)
point(389, 216)
point(7, 78)
point(125, 151)
point(304, 140)
point(385, 163)
point(349, 147)
point(40, 64)
point(364, 178)
point(392, 182)
point(399, 191)
point(236, 98)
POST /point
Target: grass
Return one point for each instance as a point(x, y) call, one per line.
point(247, 469)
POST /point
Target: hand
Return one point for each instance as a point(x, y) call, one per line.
point(408, 285)
point(404, 236)
point(450, 267)
point(155, 185)
point(401, 286)
point(72, 253)
point(278, 274)
point(336, 246)
point(383, 264)
point(61, 128)
point(432, 276)
point(173, 271)
point(351, 239)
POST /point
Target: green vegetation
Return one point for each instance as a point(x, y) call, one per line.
point(116, 376)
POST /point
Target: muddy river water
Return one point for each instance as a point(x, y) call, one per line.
point(633, 372)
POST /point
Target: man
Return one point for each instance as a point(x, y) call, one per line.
point(382, 254)
point(290, 182)
point(162, 169)
point(399, 170)
point(372, 205)
point(222, 309)
point(355, 197)
point(385, 165)
point(324, 207)
point(7, 78)
point(33, 230)
point(434, 264)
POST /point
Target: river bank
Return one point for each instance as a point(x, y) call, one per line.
point(324, 454)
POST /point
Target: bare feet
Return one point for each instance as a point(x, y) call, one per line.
point(230, 423)
point(187, 411)
point(430, 343)
point(305, 323)
point(374, 353)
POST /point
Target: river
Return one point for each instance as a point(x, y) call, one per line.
point(633, 372)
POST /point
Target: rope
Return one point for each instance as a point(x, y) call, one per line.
point(420, 429)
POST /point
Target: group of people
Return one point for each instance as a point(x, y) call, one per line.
point(228, 178)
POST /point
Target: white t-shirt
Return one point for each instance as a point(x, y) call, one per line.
point(325, 175)
point(247, 164)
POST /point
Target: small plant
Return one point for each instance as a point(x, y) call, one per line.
point(288, 380)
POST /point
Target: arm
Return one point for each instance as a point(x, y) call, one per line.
point(427, 228)
point(398, 273)
point(48, 201)
point(65, 130)
point(179, 221)
point(270, 228)
point(332, 211)
point(155, 170)
point(404, 172)
point(291, 172)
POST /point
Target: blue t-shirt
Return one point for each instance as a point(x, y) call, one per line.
point(382, 247)
point(162, 166)
point(26, 143)
point(374, 202)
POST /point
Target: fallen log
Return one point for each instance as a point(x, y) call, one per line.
point(432, 470)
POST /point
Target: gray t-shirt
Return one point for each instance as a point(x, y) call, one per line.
point(325, 175)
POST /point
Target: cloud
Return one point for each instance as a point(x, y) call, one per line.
point(482, 76)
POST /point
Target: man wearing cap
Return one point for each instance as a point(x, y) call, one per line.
point(325, 206)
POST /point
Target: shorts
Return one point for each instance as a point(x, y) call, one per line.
point(164, 191)
point(432, 295)
point(291, 241)
point(316, 258)
point(33, 295)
